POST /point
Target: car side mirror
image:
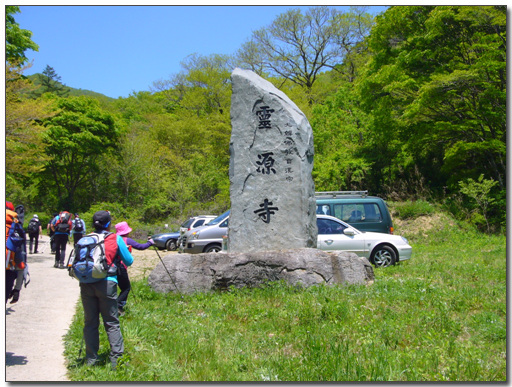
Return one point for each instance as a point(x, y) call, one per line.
point(349, 232)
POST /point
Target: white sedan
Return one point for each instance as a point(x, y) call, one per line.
point(381, 249)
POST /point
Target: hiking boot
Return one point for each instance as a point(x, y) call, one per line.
point(56, 264)
point(61, 266)
point(36, 252)
point(15, 294)
point(91, 362)
point(114, 362)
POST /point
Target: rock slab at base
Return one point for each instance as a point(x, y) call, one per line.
point(192, 273)
point(271, 162)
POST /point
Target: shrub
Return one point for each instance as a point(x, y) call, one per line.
point(411, 209)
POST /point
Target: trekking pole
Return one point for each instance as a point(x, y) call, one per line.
point(81, 347)
point(169, 274)
point(46, 244)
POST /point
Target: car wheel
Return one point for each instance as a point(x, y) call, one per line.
point(171, 245)
point(383, 256)
point(215, 248)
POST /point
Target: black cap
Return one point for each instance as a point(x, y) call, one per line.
point(101, 219)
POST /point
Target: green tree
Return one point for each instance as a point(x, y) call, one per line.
point(436, 90)
point(24, 148)
point(202, 86)
point(297, 46)
point(51, 83)
point(76, 139)
point(479, 191)
point(338, 127)
point(17, 40)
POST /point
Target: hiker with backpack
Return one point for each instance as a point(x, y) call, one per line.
point(78, 229)
point(20, 210)
point(97, 257)
point(15, 255)
point(51, 232)
point(123, 230)
point(61, 225)
point(34, 232)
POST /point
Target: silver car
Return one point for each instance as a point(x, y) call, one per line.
point(206, 239)
point(381, 249)
point(195, 222)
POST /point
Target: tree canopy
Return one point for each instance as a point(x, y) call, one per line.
point(17, 40)
point(408, 105)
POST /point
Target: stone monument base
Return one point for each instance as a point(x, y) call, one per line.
point(189, 273)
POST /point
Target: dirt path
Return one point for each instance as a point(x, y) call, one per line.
point(45, 310)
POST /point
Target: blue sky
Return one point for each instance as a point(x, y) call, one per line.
point(116, 50)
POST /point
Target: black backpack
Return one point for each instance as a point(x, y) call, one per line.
point(20, 210)
point(63, 224)
point(79, 225)
point(33, 225)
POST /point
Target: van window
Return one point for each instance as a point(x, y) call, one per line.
point(358, 213)
point(323, 209)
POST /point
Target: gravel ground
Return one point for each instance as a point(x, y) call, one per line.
point(44, 312)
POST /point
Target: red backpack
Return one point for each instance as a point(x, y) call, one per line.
point(64, 223)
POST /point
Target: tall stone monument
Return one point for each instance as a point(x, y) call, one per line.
point(272, 189)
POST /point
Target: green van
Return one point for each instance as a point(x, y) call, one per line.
point(366, 213)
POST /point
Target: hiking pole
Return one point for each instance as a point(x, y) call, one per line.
point(169, 274)
point(81, 347)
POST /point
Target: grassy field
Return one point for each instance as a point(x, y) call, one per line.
point(439, 317)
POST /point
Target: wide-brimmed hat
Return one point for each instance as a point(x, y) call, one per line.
point(35, 216)
point(101, 219)
point(123, 228)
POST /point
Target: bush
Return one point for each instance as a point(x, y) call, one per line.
point(411, 209)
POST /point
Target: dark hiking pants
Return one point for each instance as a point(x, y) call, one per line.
point(10, 278)
point(101, 298)
point(33, 236)
point(124, 286)
point(60, 247)
point(77, 237)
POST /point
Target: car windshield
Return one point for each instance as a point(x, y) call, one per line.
point(218, 219)
point(187, 222)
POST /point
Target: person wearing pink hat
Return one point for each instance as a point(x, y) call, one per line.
point(124, 230)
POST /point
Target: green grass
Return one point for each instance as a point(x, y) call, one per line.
point(439, 317)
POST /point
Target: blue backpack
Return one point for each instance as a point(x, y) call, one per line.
point(90, 261)
point(15, 243)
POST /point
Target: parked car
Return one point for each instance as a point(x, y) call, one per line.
point(381, 249)
point(194, 222)
point(207, 238)
point(366, 213)
point(166, 240)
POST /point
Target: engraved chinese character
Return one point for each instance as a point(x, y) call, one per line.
point(265, 211)
point(264, 117)
point(266, 163)
point(287, 132)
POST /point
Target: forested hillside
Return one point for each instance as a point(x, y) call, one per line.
point(408, 105)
